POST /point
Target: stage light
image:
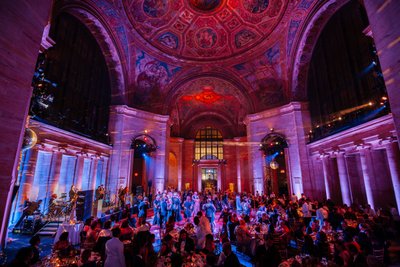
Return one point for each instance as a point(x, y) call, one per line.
point(274, 165)
point(384, 98)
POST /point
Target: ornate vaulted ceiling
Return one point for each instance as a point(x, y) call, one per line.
point(204, 30)
point(213, 60)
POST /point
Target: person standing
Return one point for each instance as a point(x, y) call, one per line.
point(143, 207)
point(238, 204)
point(157, 210)
point(210, 209)
point(163, 211)
point(115, 250)
point(196, 201)
point(176, 207)
point(189, 207)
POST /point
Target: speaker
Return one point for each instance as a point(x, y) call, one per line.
point(84, 205)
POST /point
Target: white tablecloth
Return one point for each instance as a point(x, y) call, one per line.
point(73, 230)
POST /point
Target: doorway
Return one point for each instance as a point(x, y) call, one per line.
point(209, 179)
point(275, 150)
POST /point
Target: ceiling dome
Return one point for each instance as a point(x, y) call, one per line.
point(204, 30)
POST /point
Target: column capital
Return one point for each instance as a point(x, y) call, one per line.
point(338, 151)
point(385, 140)
point(323, 154)
point(361, 145)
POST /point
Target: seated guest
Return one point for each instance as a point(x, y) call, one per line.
point(92, 235)
point(264, 218)
point(85, 259)
point(185, 243)
point(137, 259)
point(106, 231)
point(126, 231)
point(231, 260)
point(267, 255)
point(115, 250)
point(63, 245)
point(363, 239)
point(150, 256)
point(326, 227)
point(322, 246)
point(35, 242)
point(341, 255)
point(232, 223)
point(308, 246)
point(170, 225)
point(22, 258)
point(243, 235)
point(209, 246)
point(167, 246)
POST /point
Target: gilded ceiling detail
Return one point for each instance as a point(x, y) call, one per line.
point(204, 29)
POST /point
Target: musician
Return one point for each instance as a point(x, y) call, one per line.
point(121, 195)
point(30, 209)
point(73, 194)
point(100, 192)
point(54, 208)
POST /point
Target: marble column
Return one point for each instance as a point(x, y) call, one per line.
point(93, 173)
point(27, 175)
point(325, 167)
point(343, 178)
point(54, 172)
point(365, 158)
point(104, 172)
point(238, 166)
point(80, 161)
point(393, 156)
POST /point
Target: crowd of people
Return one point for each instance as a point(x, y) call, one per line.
point(211, 229)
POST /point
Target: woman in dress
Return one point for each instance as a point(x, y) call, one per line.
point(196, 201)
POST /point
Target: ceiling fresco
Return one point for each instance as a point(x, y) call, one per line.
point(204, 30)
point(209, 96)
point(189, 58)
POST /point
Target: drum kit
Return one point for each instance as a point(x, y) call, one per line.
point(60, 207)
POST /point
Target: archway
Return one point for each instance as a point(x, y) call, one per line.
point(274, 147)
point(142, 172)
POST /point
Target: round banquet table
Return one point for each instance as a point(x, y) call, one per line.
point(73, 230)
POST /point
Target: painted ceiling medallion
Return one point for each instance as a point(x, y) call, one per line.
point(204, 30)
point(205, 5)
point(207, 96)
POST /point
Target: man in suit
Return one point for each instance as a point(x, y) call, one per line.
point(185, 243)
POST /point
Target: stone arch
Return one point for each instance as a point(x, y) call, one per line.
point(112, 55)
point(305, 43)
point(176, 86)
